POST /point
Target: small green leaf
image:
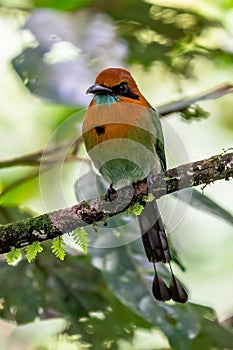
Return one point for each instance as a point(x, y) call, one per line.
point(32, 250)
point(129, 211)
point(58, 248)
point(149, 198)
point(194, 112)
point(138, 208)
point(13, 256)
point(80, 236)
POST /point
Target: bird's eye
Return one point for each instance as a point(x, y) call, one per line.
point(123, 88)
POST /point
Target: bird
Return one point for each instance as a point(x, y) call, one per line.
point(123, 136)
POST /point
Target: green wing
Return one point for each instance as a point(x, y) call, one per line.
point(159, 146)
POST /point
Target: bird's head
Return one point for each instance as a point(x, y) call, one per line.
point(114, 85)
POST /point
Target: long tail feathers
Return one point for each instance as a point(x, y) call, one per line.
point(160, 290)
point(157, 250)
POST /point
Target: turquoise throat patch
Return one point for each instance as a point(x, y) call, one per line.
point(105, 99)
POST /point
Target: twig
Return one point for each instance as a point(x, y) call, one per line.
point(30, 176)
point(212, 94)
point(25, 232)
point(43, 160)
point(34, 158)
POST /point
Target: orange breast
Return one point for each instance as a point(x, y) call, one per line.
point(118, 120)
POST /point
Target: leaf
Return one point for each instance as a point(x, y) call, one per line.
point(32, 250)
point(129, 281)
point(80, 236)
point(73, 289)
point(58, 248)
point(194, 111)
point(202, 202)
point(137, 209)
point(149, 198)
point(184, 325)
point(39, 330)
point(212, 335)
point(13, 256)
point(150, 34)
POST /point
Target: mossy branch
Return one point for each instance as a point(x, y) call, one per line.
point(23, 233)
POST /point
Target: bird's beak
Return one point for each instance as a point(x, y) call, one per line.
point(98, 89)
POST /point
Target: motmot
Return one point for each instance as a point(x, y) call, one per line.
point(123, 136)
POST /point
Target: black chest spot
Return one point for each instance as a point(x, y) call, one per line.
point(100, 130)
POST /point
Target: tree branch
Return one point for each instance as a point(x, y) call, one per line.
point(22, 233)
point(179, 105)
point(51, 155)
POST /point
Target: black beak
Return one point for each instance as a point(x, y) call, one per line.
point(98, 89)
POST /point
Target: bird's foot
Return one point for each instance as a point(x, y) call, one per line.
point(111, 194)
point(140, 187)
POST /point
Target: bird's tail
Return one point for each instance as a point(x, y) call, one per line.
point(157, 250)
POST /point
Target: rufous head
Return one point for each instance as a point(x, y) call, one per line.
point(119, 83)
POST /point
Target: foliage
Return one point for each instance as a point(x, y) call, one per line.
point(204, 203)
point(44, 334)
point(32, 250)
point(105, 305)
point(105, 296)
point(171, 35)
point(194, 111)
point(13, 256)
point(80, 236)
point(58, 248)
point(176, 321)
point(73, 288)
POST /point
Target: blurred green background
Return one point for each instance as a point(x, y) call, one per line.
point(50, 53)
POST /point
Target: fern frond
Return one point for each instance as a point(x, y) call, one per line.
point(138, 208)
point(80, 236)
point(58, 248)
point(32, 250)
point(13, 255)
